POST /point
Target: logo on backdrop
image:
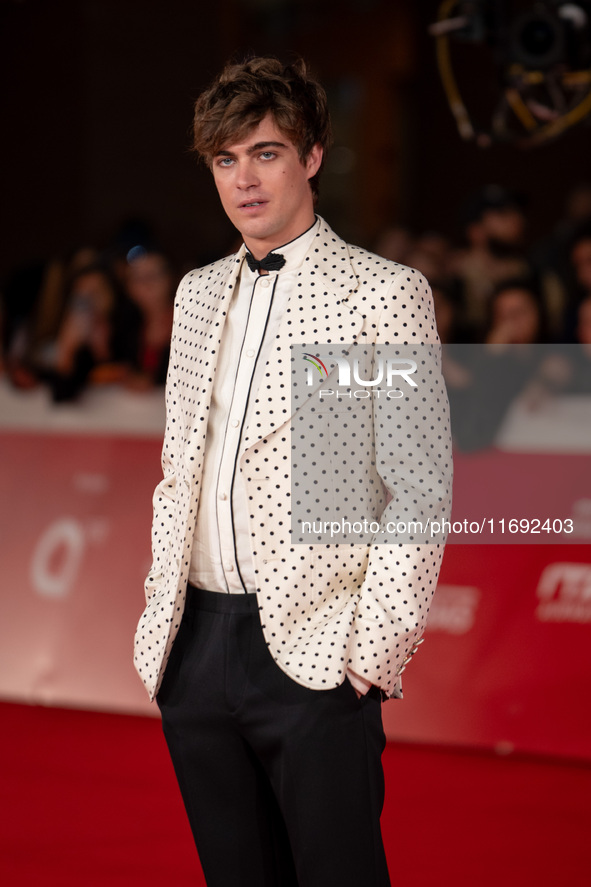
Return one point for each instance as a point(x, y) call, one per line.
point(564, 593)
point(454, 609)
point(59, 552)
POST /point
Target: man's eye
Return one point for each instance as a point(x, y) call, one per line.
point(268, 155)
point(225, 161)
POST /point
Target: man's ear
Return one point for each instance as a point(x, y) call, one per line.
point(314, 160)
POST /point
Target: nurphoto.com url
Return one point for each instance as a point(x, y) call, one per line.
point(432, 529)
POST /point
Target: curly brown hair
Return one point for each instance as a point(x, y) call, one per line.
point(243, 94)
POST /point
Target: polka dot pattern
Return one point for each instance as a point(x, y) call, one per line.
point(323, 607)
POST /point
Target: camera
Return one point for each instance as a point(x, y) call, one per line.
point(541, 55)
point(551, 34)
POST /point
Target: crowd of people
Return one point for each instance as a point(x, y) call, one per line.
point(106, 317)
point(515, 319)
point(497, 287)
point(92, 318)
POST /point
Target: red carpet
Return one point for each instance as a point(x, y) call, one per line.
point(90, 799)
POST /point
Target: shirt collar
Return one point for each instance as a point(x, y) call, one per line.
point(294, 252)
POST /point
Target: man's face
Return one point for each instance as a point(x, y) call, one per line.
point(516, 314)
point(264, 187)
point(149, 282)
point(505, 225)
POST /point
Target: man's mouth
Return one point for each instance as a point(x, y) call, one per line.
point(252, 203)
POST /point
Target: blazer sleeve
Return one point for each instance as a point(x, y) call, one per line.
point(414, 460)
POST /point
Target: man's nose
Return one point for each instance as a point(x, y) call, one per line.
point(247, 176)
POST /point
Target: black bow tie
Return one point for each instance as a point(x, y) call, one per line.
point(271, 262)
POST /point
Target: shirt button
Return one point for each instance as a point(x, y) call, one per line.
point(265, 282)
point(234, 423)
point(250, 352)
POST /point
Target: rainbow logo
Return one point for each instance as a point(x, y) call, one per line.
point(315, 361)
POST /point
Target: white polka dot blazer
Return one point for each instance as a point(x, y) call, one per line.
point(323, 607)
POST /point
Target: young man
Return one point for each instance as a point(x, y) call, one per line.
point(269, 658)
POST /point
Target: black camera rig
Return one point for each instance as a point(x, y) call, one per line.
point(541, 56)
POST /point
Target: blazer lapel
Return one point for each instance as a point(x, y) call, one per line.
point(317, 314)
point(213, 305)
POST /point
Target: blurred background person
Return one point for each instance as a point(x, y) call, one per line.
point(483, 380)
point(580, 257)
point(584, 324)
point(581, 377)
point(431, 255)
point(150, 287)
point(33, 304)
point(19, 297)
point(551, 258)
point(515, 314)
point(448, 310)
point(494, 229)
point(576, 276)
point(87, 349)
point(394, 243)
point(569, 371)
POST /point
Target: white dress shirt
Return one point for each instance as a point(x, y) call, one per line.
point(221, 558)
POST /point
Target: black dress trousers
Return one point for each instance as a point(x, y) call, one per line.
point(283, 785)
